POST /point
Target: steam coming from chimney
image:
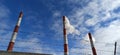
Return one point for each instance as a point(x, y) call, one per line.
point(70, 28)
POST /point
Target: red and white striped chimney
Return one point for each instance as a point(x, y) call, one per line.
point(92, 44)
point(65, 38)
point(14, 35)
point(115, 48)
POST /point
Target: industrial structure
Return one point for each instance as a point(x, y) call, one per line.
point(115, 48)
point(14, 35)
point(12, 41)
point(66, 48)
point(19, 53)
point(92, 44)
point(65, 37)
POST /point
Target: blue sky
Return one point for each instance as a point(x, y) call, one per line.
point(41, 27)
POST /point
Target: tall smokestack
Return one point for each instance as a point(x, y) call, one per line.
point(65, 38)
point(14, 35)
point(92, 44)
point(115, 48)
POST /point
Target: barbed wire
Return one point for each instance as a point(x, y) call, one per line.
point(45, 49)
point(28, 48)
point(20, 31)
point(40, 33)
point(51, 44)
point(27, 41)
point(58, 44)
point(34, 42)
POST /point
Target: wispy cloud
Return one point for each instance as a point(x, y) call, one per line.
point(4, 14)
point(4, 25)
point(86, 40)
point(92, 17)
point(108, 32)
point(87, 16)
point(4, 11)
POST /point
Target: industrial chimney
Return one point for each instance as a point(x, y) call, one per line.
point(92, 44)
point(14, 35)
point(65, 38)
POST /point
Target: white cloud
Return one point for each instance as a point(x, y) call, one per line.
point(4, 14)
point(100, 11)
point(32, 47)
point(4, 11)
point(109, 34)
point(4, 25)
point(32, 44)
point(91, 22)
point(5, 33)
point(56, 14)
point(58, 28)
point(86, 40)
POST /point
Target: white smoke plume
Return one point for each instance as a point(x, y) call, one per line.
point(86, 40)
point(70, 28)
